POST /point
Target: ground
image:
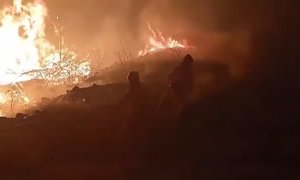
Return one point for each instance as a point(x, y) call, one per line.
point(240, 131)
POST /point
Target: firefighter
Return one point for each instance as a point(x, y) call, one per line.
point(135, 99)
point(134, 107)
point(181, 82)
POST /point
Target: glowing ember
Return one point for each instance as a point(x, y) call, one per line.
point(24, 48)
point(157, 42)
point(63, 68)
point(11, 100)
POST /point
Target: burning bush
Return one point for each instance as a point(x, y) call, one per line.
point(26, 54)
point(25, 48)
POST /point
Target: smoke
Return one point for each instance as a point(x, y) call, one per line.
point(237, 32)
point(255, 36)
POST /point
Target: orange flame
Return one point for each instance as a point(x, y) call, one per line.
point(157, 42)
point(25, 54)
point(23, 45)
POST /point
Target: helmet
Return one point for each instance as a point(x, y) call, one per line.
point(76, 88)
point(133, 77)
point(188, 59)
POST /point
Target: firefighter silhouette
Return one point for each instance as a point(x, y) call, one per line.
point(180, 87)
point(135, 100)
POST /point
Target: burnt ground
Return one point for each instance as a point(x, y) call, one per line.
point(245, 130)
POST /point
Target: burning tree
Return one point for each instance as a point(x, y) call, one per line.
point(25, 53)
point(26, 50)
point(62, 66)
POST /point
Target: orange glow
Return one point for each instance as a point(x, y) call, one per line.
point(157, 42)
point(13, 99)
point(25, 53)
point(25, 49)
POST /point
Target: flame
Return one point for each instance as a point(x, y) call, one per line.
point(157, 42)
point(24, 47)
point(25, 53)
point(11, 99)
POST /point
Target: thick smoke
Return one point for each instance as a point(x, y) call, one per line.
point(219, 30)
point(237, 32)
point(255, 36)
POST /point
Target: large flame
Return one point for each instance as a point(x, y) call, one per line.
point(25, 54)
point(23, 46)
point(157, 42)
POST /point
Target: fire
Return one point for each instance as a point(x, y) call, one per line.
point(25, 53)
point(157, 42)
point(13, 99)
point(23, 47)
